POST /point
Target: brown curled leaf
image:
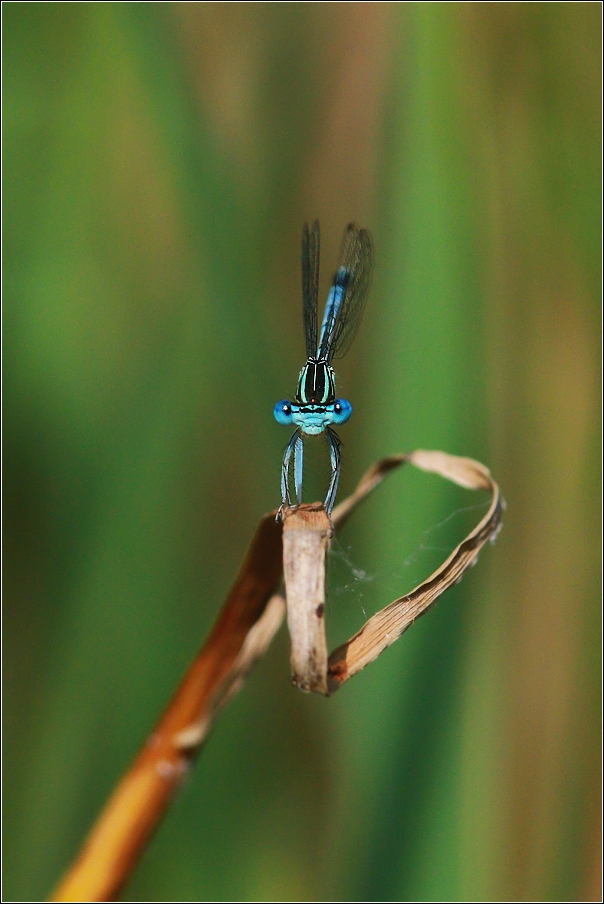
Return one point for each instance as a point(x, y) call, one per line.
point(383, 628)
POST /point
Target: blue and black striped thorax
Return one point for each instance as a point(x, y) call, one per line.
point(316, 384)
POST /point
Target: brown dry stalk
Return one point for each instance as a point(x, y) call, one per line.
point(249, 619)
point(383, 628)
point(306, 535)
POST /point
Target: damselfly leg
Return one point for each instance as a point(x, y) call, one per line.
point(285, 494)
point(333, 441)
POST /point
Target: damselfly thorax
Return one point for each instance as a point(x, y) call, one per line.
point(316, 383)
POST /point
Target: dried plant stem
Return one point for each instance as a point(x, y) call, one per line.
point(249, 619)
point(306, 535)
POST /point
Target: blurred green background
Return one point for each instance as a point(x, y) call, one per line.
point(159, 162)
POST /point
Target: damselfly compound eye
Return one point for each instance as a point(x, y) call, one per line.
point(342, 411)
point(283, 412)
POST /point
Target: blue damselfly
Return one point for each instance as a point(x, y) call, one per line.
point(315, 407)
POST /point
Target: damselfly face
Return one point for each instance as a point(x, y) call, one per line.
point(313, 419)
point(315, 407)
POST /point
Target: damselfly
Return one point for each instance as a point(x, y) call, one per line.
point(316, 407)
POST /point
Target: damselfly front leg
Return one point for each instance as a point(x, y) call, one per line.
point(292, 444)
point(333, 440)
